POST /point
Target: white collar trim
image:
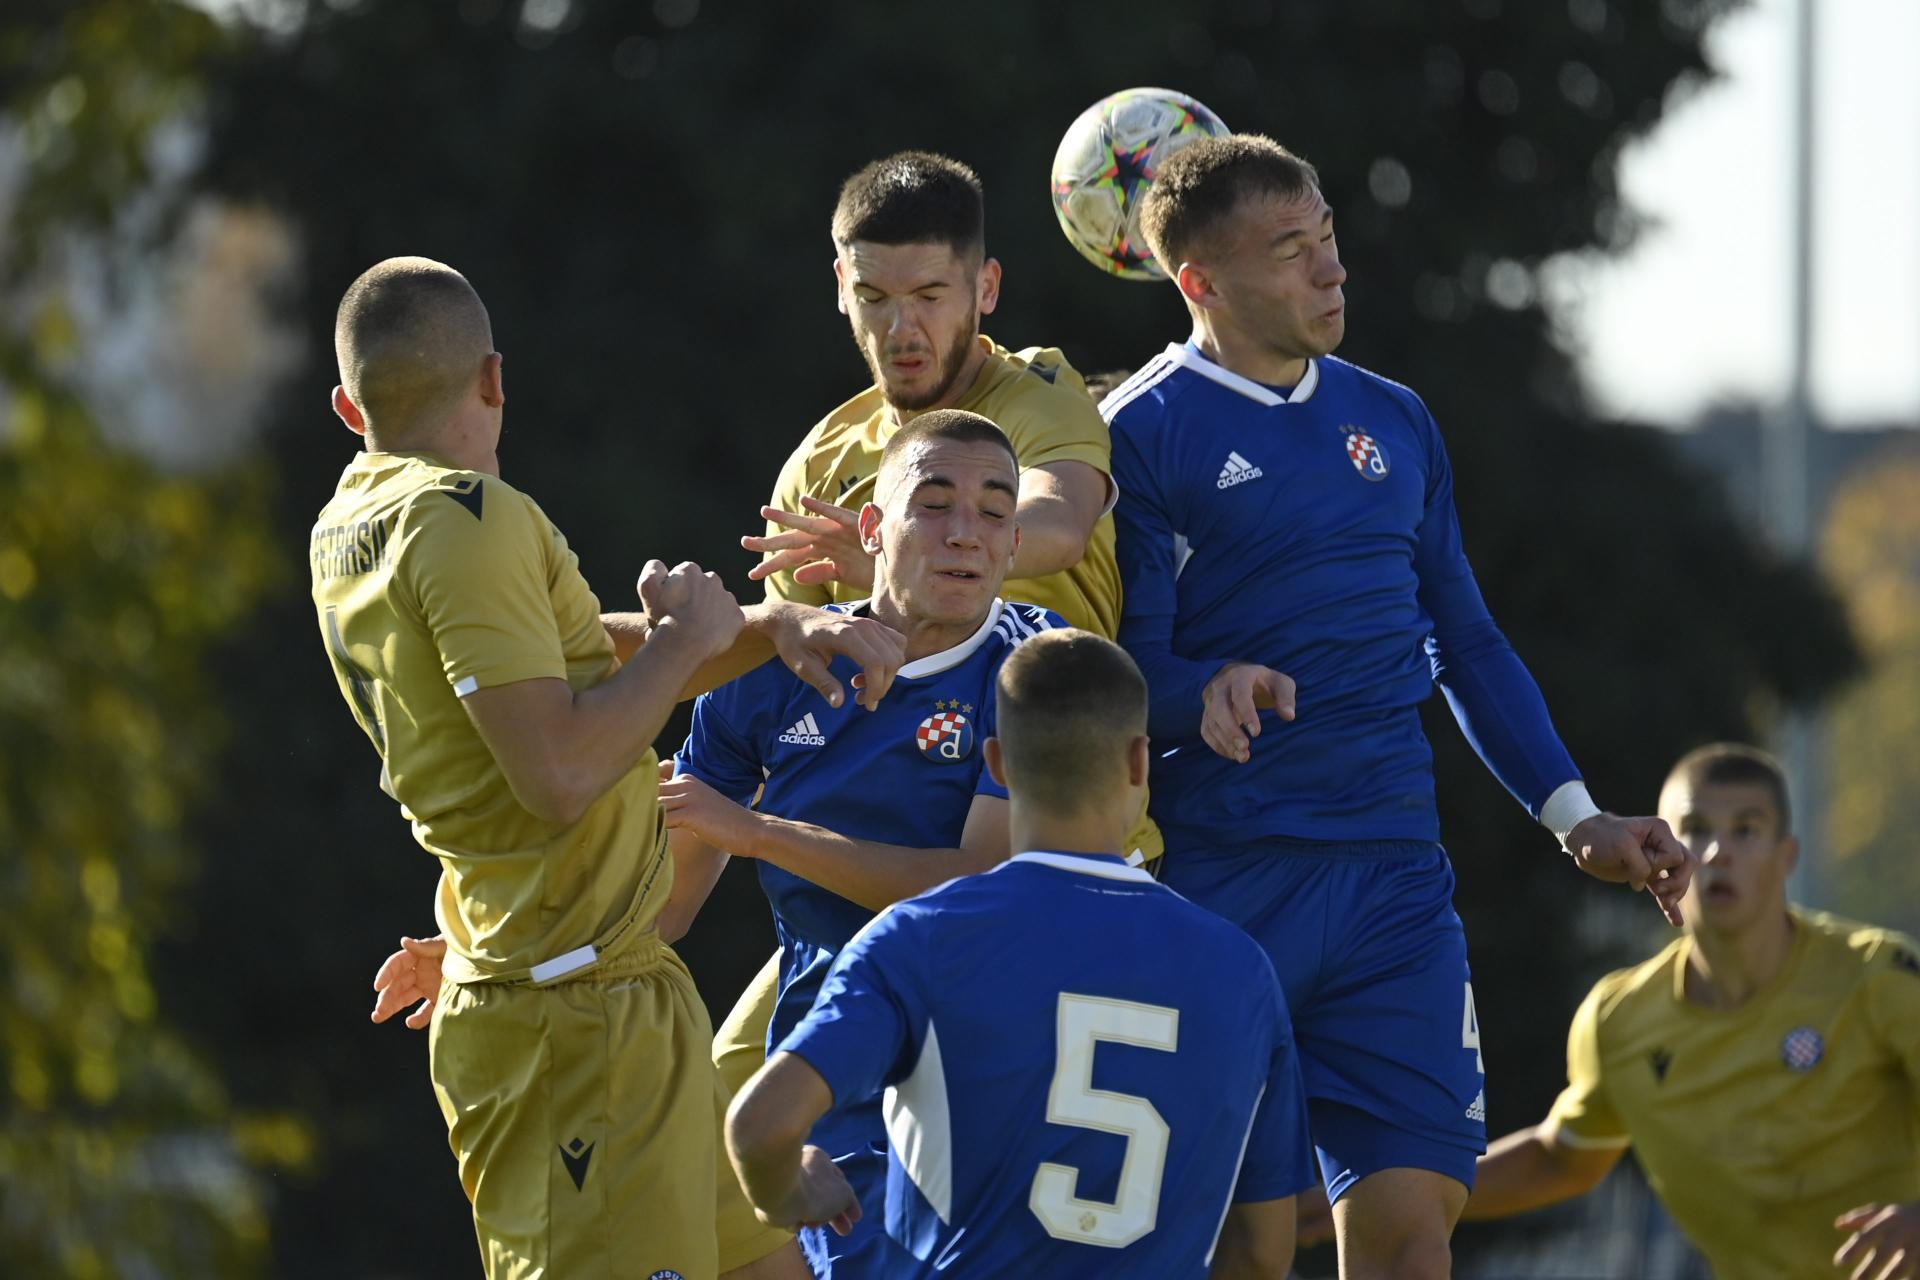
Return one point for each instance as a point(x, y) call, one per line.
point(1182, 354)
point(1085, 866)
point(934, 663)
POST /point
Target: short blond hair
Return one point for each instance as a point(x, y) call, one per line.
point(411, 336)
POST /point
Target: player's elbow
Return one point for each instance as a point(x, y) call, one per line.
point(553, 793)
point(759, 1127)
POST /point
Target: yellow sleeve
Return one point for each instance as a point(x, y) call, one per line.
point(476, 564)
point(1893, 999)
point(1054, 419)
point(1582, 1115)
point(787, 492)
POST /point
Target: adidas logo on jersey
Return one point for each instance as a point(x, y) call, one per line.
point(1237, 471)
point(805, 733)
point(1478, 1111)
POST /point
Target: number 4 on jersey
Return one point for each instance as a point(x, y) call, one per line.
point(1072, 1100)
point(1470, 1032)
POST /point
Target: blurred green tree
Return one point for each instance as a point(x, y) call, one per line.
point(119, 1152)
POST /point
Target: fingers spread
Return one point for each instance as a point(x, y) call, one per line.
point(837, 514)
point(815, 672)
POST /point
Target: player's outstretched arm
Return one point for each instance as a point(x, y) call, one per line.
point(868, 872)
point(560, 748)
point(1256, 1242)
point(1531, 1169)
point(789, 1183)
point(807, 639)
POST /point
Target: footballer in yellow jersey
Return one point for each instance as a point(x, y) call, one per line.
point(1764, 1067)
point(914, 281)
point(568, 1048)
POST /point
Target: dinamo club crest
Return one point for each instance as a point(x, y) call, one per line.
point(946, 736)
point(1368, 458)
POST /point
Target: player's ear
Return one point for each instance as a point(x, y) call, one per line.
point(1137, 758)
point(1196, 284)
point(1791, 852)
point(840, 283)
point(996, 762)
point(493, 387)
point(989, 286)
point(869, 526)
point(349, 412)
point(1015, 553)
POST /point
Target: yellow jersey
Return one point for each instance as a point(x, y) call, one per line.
point(432, 582)
point(1758, 1126)
point(1041, 403)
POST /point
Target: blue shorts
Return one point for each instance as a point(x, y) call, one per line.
point(1374, 965)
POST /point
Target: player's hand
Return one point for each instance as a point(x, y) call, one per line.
point(686, 803)
point(1314, 1225)
point(821, 1197)
point(809, 639)
point(688, 596)
point(1885, 1244)
point(410, 974)
point(1231, 705)
point(821, 547)
point(1641, 852)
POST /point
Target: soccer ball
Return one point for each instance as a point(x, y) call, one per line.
point(1107, 161)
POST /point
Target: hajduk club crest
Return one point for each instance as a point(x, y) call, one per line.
point(947, 734)
point(1368, 458)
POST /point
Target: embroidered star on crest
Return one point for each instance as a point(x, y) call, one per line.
point(968, 708)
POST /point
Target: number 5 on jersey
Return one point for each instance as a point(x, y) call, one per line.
point(1072, 1100)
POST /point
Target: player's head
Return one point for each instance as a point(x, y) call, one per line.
point(1072, 735)
point(416, 357)
point(1728, 803)
point(1240, 224)
point(941, 523)
point(909, 239)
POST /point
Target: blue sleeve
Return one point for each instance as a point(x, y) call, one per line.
point(1493, 695)
point(1280, 1159)
point(984, 785)
point(720, 750)
point(1148, 549)
point(866, 1024)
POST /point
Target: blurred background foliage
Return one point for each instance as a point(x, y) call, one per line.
point(201, 870)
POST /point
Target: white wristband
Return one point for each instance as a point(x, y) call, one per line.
point(1567, 808)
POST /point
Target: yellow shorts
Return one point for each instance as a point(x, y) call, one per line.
point(582, 1115)
point(739, 1048)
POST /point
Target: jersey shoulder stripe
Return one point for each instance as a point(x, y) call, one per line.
point(1150, 375)
point(1019, 623)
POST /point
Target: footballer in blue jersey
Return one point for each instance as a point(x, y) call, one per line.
point(860, 808)
point(1286, 522)
point(1050, 1111)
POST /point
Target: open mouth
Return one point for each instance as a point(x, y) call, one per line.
point(962, 575)
point(1719, 893)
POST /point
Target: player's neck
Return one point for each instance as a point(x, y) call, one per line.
point(924, 638)
point(1101, 831)
point(462, 444)
point(1249, 357)
point(1725, 970)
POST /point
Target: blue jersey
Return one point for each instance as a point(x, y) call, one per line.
point(1051, 1112)
point(1312, 532)
point(905, 773)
